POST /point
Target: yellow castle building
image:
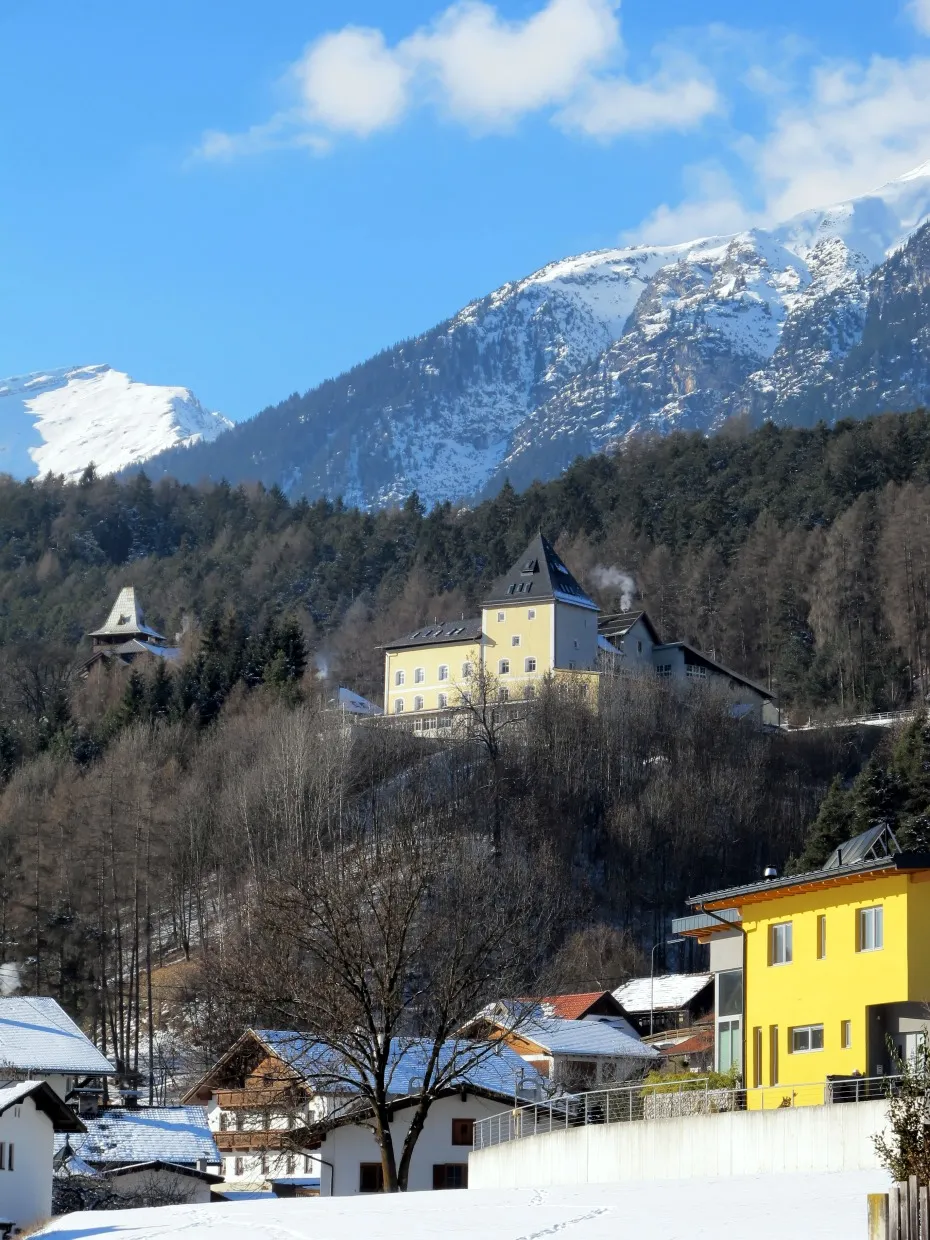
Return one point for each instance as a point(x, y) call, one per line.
point(536, 621)
point(818, 973)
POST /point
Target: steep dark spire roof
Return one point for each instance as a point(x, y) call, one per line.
point(538, 576)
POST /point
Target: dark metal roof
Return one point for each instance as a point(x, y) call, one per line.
point(538, 576)
point(619, 623)
point(717, 666)
point(900, 861)
point(439, 634)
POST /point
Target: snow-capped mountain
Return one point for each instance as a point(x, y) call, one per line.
point(60, 421)
point(790, 323)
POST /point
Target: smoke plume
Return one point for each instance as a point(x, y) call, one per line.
point(607, 577)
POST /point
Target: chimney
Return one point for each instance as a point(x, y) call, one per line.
point(770, 873)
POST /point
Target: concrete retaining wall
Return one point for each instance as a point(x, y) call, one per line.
point(826, 1138)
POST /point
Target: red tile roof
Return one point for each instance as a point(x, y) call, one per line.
point(572, 1007)
point(703, 1041)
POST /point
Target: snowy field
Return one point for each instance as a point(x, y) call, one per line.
point(785, 1207)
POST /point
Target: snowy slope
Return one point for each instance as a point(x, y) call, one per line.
point(62, 420)
point(800, 1207)
point(589, 350)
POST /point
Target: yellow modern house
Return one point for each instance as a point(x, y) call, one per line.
point(536, 621)
point(816, 972)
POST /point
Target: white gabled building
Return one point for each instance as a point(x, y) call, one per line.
point(40, 1042)
point(31, 1113)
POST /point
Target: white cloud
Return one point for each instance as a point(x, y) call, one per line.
point(671, 100)
point(351, 81)
point(492, 72)
point(849, 129)
point(481, 71)
point(712, 208)
point(919, 11)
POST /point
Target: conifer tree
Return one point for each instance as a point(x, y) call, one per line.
point(833, 825)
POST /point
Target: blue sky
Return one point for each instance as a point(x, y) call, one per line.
point(246, 198)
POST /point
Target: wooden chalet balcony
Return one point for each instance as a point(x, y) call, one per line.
point(279, 1094)
point(256, 1139)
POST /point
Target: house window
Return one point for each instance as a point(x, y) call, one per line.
point(529, 692)
point(503, 667)
point(399, 706)
point(289, 1165)
point(531, 613)
point(443, 672)
point(729, 1003)
point(639, 647)
point(419, 675)
point(515, 639)
point(773, 1054)
point(821, 937)
point(240, 1166)
point(529, 665)
point(467, 671)
point(571, 665)
point(463, 1132)
point(501, 617)
point(398, 678)
point(308, 1164)
point(664, 670)
point(871, 929)
point(695, 671)
point(806, 1038)
point(845, 1034)
point(263, 1164)
point(240, 1121)
point(2, 1156)
point(450, 1175)
point(224, 1121)
point(418, 703)
point(443, 700)
point(370, 1178)
point(757, 1056)
point(780, 944)
point(575, 644)
point(503, 695)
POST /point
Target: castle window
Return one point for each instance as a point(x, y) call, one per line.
point(467, 671)
point(529, 665)
point(399, 678)
point(443, 672)
point(417, 703)
point(419, 676)
point(664, 670)
point(531, 614)
point(443, 700)
point(501, 617)
point(399, 706)
point(503, 694)
point(639, 647)
point(503, 667)
point(575, 644)
point(515, 640)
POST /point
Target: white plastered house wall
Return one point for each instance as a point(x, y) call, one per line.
point(346, 1148)
point(26, 1191)
point(186, 1189)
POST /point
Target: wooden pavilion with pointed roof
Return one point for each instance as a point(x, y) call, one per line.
point(124, 635)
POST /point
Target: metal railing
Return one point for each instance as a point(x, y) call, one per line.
point(626, 1104)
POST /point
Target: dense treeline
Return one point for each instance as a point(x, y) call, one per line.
point(801, 557)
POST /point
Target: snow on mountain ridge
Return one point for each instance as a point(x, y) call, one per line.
point(60, 421)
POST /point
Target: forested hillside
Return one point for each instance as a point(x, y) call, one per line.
point(140, 811)
point(800, 557)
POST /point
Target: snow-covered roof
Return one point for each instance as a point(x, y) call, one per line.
point(607, 1037)
point(36, 1035)
point(664, 993)
point(355, 704)
point(170, 1134)
point(126, 618)
point(500, 1071)
point(45, 1099)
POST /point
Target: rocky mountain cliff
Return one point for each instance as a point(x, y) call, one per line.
point(820, 317)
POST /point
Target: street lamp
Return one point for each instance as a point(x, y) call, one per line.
point(652, 979)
